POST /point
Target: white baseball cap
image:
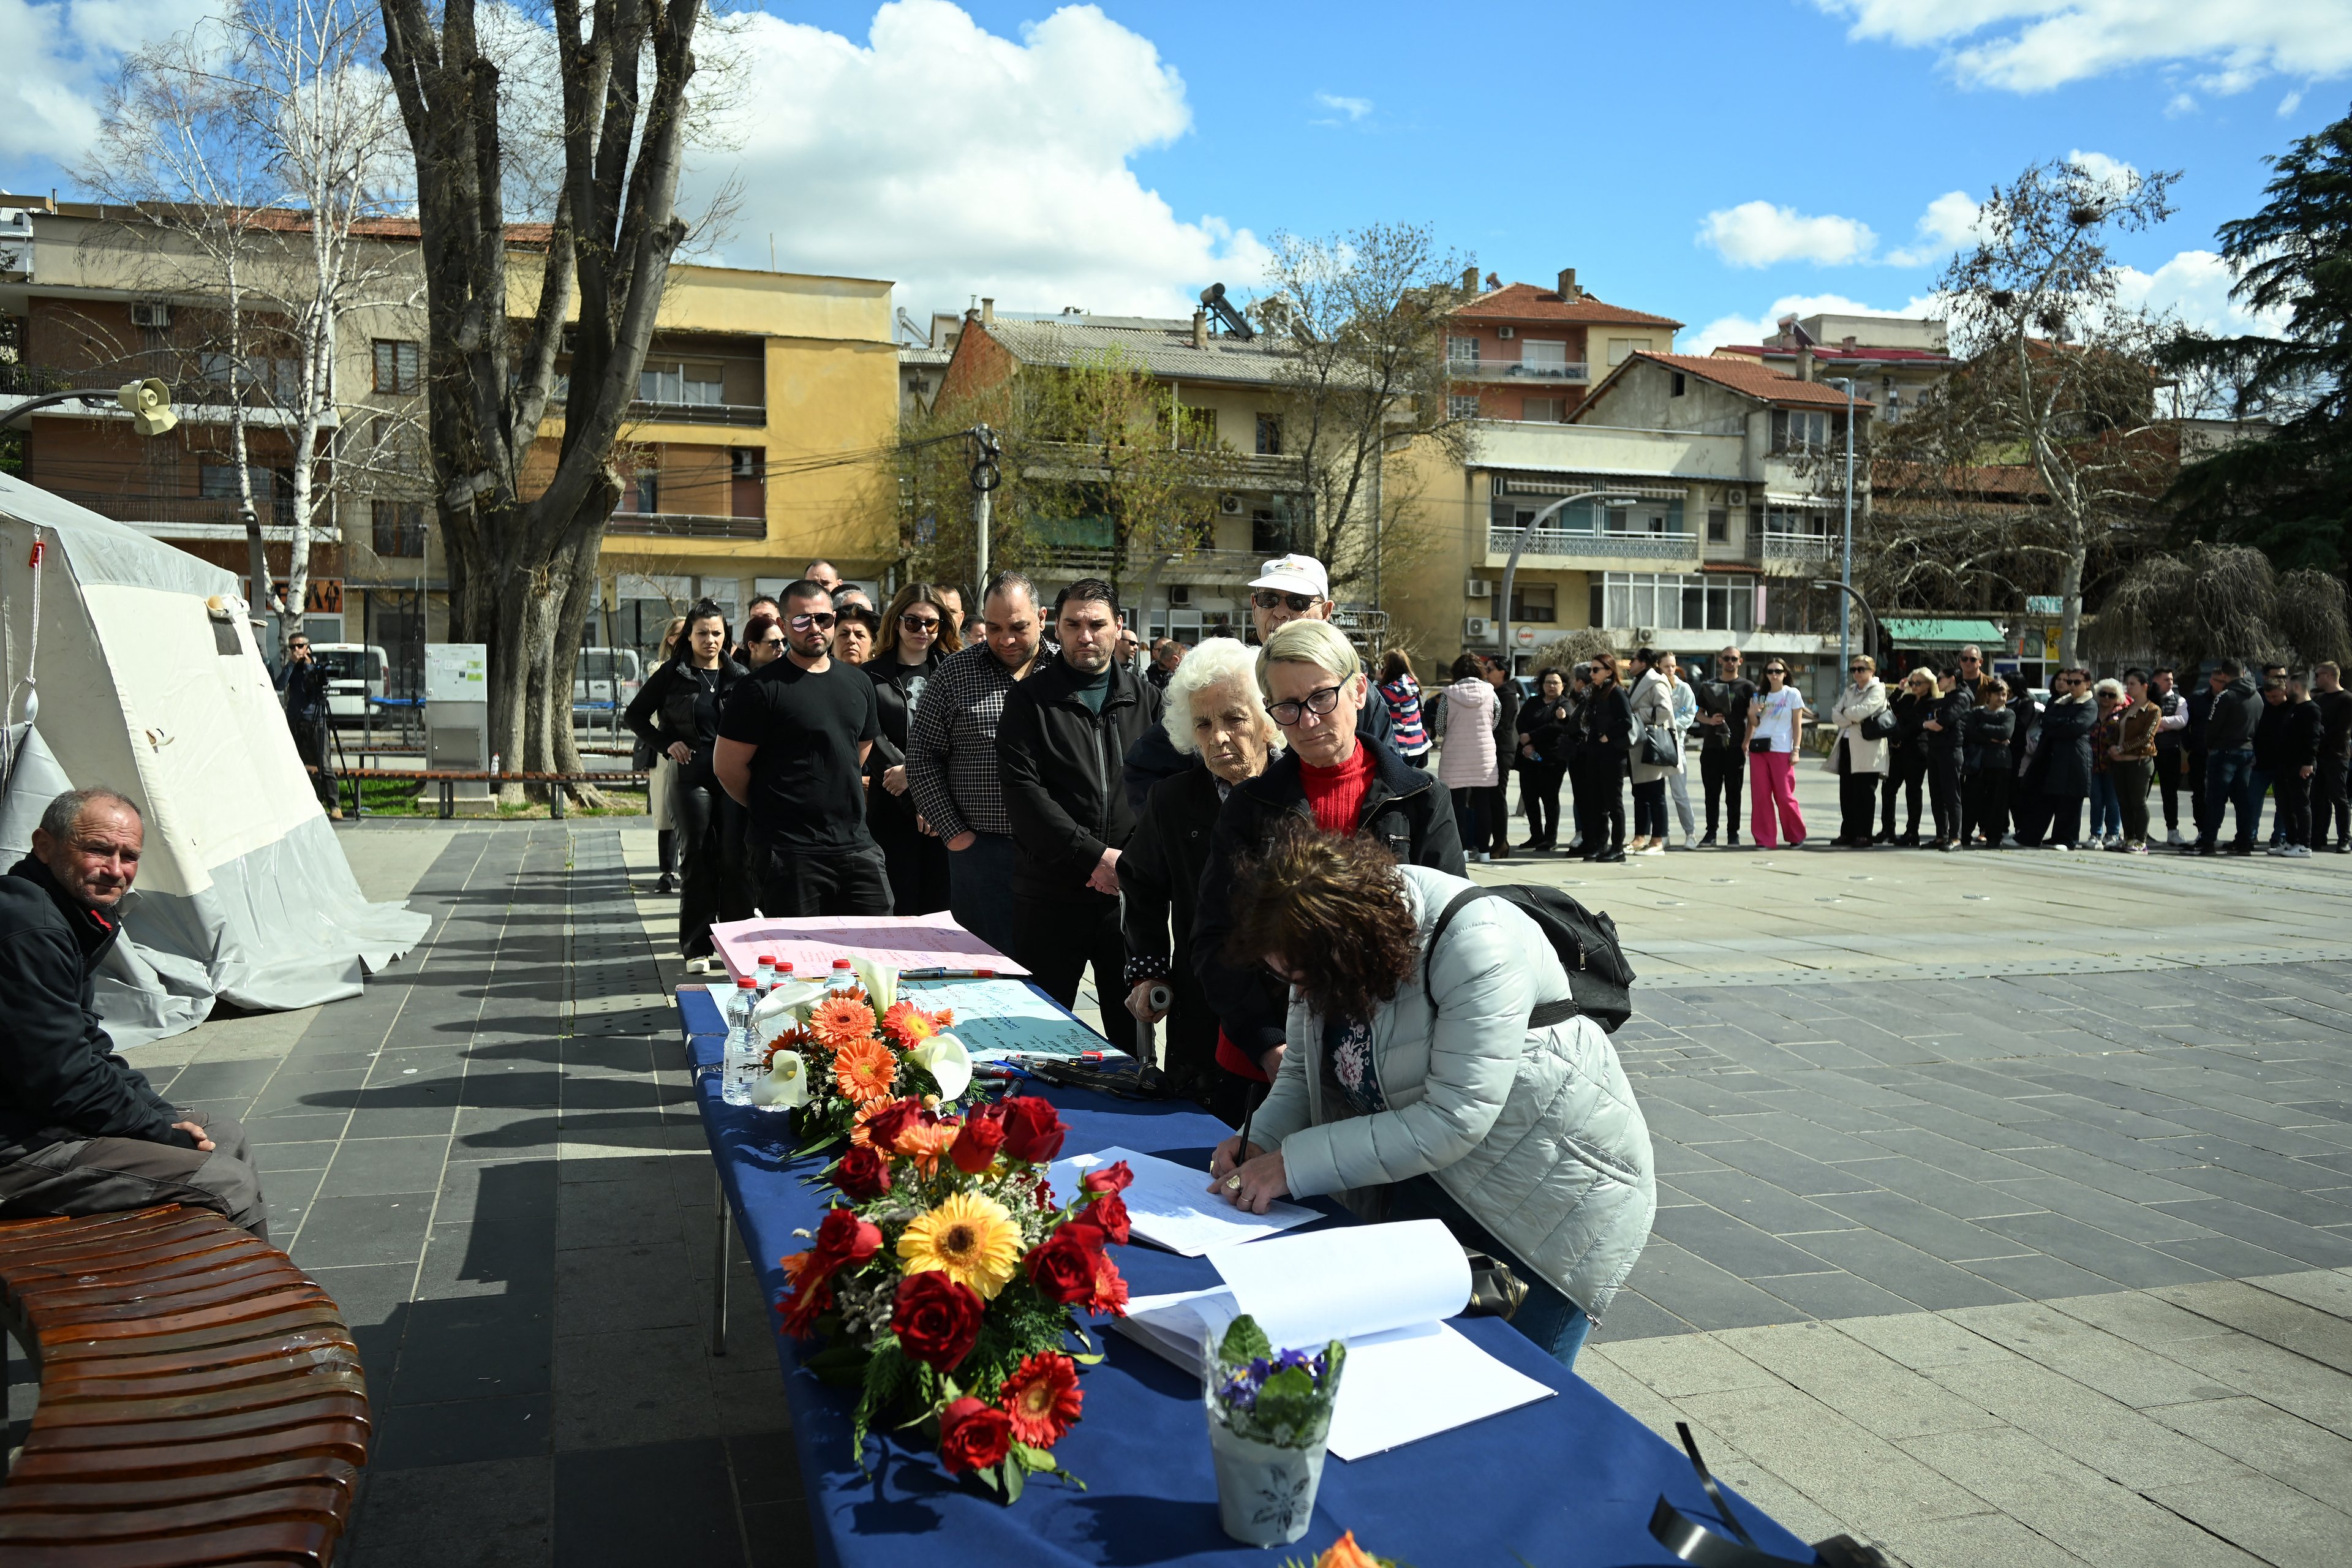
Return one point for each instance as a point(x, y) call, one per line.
point(1295, 574)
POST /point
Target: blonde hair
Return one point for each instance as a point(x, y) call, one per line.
point(1307, 642)
point(1214, 663)
point(1865, 660)
point(1922, 676)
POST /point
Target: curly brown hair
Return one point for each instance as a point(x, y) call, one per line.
point(1334, 907)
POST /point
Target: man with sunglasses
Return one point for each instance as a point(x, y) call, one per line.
point(792, 748)
point(302, 689)
point(1722, 753)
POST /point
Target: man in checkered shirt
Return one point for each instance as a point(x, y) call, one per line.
point(952, 758)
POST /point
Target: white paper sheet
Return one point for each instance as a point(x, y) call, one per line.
point(1352, 1279)
point(1169, 1204)
point(1003, 1019)
point(812, 943)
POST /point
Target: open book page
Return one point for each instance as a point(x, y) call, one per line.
point(1170, 1205)
point(1001, 1019)
point(1352, 1279)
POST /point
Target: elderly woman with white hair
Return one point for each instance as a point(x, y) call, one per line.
point(1214, 717)
point(1337, 776)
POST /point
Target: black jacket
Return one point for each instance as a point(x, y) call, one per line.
point(1160, 892)
point(2063, 754)
point(1506, 723)
point(2024, 746)
point(1607, 723)
point(2230, 721)
point(1909, 712)
point(1730, 699)
point(1153, 758)
point(60, 1077)
point(889, 749)
point(302, 692)
point(667, 709)
point(2287, 738)
point(1403, 808)
point(1946, 710)
point(2335, 722)
point(1985, 735)
point(1062, 769)
point(1549, 725)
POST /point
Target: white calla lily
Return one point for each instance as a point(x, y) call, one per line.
point(784, 1086)
point(782, 1008)
point(950, 1065)
point(881, 982)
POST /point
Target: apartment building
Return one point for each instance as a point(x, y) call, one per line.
point(1522, 353)
point(751, 446)
point(1893, 360)
point(1690, 503)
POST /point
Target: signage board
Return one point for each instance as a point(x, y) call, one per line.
point(456, 672)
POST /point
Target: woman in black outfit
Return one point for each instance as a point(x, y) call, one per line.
point(1545, 742)
point(678, 710)
point(917, 635)
point(1906, 759)
point(1604, 741)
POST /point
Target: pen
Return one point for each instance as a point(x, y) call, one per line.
point(947, 974)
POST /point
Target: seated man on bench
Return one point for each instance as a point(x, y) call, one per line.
point(81, 1131)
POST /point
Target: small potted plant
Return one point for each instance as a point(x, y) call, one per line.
point(1269, 1414)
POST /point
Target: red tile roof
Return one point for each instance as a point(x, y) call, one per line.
point(1758, 381)
point(1826, 351)
point(1525, 302)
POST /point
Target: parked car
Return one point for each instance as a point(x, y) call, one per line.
point(605, 678)
point(355, 672)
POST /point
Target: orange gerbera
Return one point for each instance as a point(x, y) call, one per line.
point(865, 1070)
point(840, 1019)
point(1345, 1554)
point(1043, 1399)
point(927, 1145)
point(907, 1023)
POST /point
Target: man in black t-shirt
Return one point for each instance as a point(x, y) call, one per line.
point(792, 748)
point(1722, 729)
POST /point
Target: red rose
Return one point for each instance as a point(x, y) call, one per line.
point(1109, 1179)
point(936, 1319)
point(1062, 1267)
point(975, 1147)
point(862, 1175)
point(882, 1129)
point(1033, 1129)
point(973, 1436)
point(1107, 1214)
point(844, 1238)
point(1109, 1292)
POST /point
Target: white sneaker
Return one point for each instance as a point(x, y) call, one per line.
point(2008, 841)
point(1690, 840)
point(2175, 839)
point(2280, 850)
point(2064, 848)
point(1657, 847)
point(2298, 851)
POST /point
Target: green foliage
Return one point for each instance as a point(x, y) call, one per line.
point(1244, 1341)
point(885, 1378)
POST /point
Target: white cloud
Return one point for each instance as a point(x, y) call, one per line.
point(2179, 104)
point(1355, 108)
point(2194, 285)
point(2111, 173)
point(1738, 328)
point(60, 54)
point(1949, 223)
point(959, 163)
point(2289, 104)
point(1758, 234)
point(2031, 46)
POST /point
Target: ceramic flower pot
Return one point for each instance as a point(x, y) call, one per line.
point(1265, 1495)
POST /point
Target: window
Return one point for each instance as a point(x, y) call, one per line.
point(702, 384)
point(1674, 601)
point(1718, 525)
point(397, 368)
point(1799, 430)
point(1269, 436)
point(1622, 348)
point(1460, 406)
point(743, 463)
point(216, 482)
point(399, 529)
point(1463, 349)
point(1804, 522)
point(1534, 602)
point(1678, 385)
point(1537, 355)
point(644, 492)
point(1269, 533)
point(1540, 410)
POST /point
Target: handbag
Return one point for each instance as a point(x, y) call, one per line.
point(1880, 726)
point(1658, 747)
point(1761, 746)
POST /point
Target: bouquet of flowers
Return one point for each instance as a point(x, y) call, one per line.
point(839, 1056)
point(947, 1279)
point(1269, 1414)
point(1345, 1554)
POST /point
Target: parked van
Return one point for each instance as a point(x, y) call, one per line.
point(605, 678)
point(355, 672)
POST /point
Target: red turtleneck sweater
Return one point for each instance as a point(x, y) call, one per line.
point(1337, 794)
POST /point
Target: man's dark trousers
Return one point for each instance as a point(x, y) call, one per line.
point(2229, 777)
point(310, 745)
point(1055, 939)
point(115, 1175)
point(1723, 769)
point(796, 883)
point(2331, 810)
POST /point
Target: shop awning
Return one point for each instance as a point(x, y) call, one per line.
point(1924, 632)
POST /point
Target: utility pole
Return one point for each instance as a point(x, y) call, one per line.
point(1511, 567)
point(985, 477)
point(1845, 561)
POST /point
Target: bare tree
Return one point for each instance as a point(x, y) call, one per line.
point(2226, 601)
point(1363, 315)
point(2029, 465)
point(261, 146)
point(522, 551)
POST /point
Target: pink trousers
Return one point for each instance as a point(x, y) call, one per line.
point(1773, 787)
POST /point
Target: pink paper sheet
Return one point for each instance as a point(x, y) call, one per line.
point(908, 941)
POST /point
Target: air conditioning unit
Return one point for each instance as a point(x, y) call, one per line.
point(1478, 629)
point(1231, 506)
point(1506, 331)
point(1735, 497)
point(154, 313)
point(1479, 588)
point(1180, 593)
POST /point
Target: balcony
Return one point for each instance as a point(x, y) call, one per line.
point(1505, 370)
point(197, 517)
point(641, 412)
point(1613, 543)
point(684, 525)
point(1797, 547)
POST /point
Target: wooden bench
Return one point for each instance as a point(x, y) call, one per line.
point(202, 1402)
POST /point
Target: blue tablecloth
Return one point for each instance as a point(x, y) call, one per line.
point(1567, 1480)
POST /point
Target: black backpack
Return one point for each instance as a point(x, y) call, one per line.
point(1600, 980)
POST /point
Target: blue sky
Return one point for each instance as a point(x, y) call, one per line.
point(1714, 162)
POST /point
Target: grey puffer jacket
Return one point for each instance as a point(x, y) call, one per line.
point(1535, 1132)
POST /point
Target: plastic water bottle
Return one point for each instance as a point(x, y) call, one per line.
point(764, 977)
point(738, 1063)
point(844, 976)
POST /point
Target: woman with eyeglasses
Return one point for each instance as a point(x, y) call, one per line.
point(918, 632)
point(677, 710)
point(763, 640)
point(1858, 757)
point(1604, 743)
point(1776, 720)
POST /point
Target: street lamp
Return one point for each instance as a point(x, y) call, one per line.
point(149, 401)
point(1846, 559)
point(1511, 567)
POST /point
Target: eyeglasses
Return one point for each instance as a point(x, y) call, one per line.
point(1968, 658)
point(1774, 669)
point(1268, 598)
point(920, 622)
point(1316, 702)
point(821, 619)
point(766, 642)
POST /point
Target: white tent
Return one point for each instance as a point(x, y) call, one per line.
point(137, 667)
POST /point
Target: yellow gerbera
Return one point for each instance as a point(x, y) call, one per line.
point(970, 1238)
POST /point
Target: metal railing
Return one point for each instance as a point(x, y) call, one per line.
point(1617, 542)
point(1554, 374)
point(652, 413)
point(1780, 546)
point(168, 510)
point(685, 525)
